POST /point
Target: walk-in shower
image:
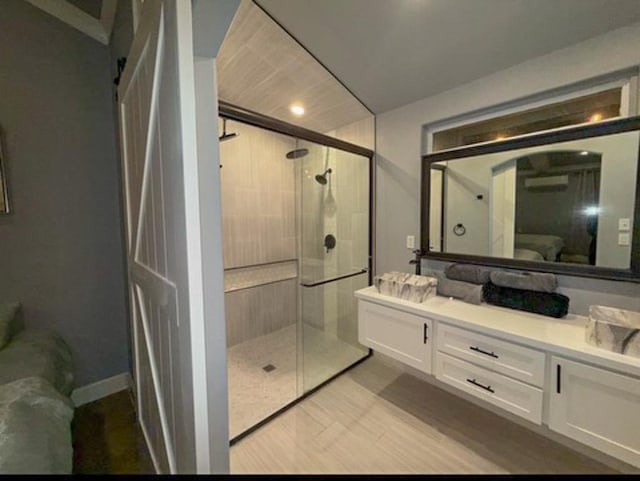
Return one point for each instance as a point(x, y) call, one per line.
point(295, 250)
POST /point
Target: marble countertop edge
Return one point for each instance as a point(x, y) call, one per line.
point(563, 337)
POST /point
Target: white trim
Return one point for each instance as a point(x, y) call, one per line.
point(98, 390)
point(152, 454)
point(136, 8)
point(626, 81)
point(97, 29)
point(193, 233)
point(108, 16)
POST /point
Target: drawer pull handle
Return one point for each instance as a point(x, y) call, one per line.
point(558, 378)
point(424, 333)
point(486, 353)
point(476, 383)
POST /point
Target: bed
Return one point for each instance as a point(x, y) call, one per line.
point(548, 246)
point(527, 254)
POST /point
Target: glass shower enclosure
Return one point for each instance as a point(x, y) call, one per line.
point(297, 244)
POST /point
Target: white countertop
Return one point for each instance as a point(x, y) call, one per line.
point(565, 337)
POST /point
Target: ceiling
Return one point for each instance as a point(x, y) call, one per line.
point(261, 68)
point(393, 52)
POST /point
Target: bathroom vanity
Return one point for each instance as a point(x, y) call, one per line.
point(538, 368)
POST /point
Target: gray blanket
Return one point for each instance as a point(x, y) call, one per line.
point(38, 353)
point(529, 281)
point(35, 428)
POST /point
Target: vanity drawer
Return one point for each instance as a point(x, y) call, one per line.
point(513, 360)
point(513, 396)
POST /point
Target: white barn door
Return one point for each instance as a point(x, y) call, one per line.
point(164, 241)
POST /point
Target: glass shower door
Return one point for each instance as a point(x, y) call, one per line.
point(333, 190)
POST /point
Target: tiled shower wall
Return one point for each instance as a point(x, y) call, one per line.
point(259, 232)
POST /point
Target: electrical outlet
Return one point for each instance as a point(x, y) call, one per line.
point(624, 224)
point(624, 239)
point(411, 242)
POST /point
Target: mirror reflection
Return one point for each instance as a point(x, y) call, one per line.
point(569, 202)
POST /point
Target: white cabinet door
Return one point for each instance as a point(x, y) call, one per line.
point(596, 407)
point(400, 335)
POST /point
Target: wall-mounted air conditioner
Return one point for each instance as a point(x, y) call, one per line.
point(548, 181)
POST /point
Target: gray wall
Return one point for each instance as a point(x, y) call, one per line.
point(61, 251)
point(399, 134)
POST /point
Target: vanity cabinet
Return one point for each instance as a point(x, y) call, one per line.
point(538, 368)
point(597, 407)
point(513, 360)
point(514, 396)
point(398, 334)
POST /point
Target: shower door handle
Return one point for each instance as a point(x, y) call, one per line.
point(333, 279)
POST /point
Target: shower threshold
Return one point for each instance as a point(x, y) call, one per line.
point(263, 375)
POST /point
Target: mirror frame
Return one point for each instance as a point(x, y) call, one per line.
point(550, 137)
point(3, 182)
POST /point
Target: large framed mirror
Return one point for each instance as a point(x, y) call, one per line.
point(565, 201)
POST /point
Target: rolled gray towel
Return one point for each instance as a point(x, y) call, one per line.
point(467, 273)
point(530, 281)
point(465, 291)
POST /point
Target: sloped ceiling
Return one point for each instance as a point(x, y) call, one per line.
point(261, 68)
point(393, 52)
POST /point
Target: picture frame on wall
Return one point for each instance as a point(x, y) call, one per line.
point(4, 194)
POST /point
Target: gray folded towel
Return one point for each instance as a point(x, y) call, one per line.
point(468, 273)
point(529, 281)
point(465, 291)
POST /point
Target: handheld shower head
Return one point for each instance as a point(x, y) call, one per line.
point(322, 178)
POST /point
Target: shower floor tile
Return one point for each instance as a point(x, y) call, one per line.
point(257, 391)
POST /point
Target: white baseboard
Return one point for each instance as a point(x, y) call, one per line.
point(103, 388)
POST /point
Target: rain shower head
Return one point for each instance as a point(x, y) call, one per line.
point(297, 153)
point(225, 135)
point(322, 178)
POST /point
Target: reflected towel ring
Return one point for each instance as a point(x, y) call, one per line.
point(459, 230)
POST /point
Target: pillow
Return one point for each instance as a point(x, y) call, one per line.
point(10, 322)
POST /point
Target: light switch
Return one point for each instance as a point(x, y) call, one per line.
point(624, 239)
point(411, 242)
point(624, 224)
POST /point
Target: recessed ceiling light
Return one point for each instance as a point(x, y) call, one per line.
point(597, 117)
point(297, 110)
point(584, 152)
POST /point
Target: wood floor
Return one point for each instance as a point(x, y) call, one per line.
point(373, 419)
point(108, 440)
point(376, 419)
